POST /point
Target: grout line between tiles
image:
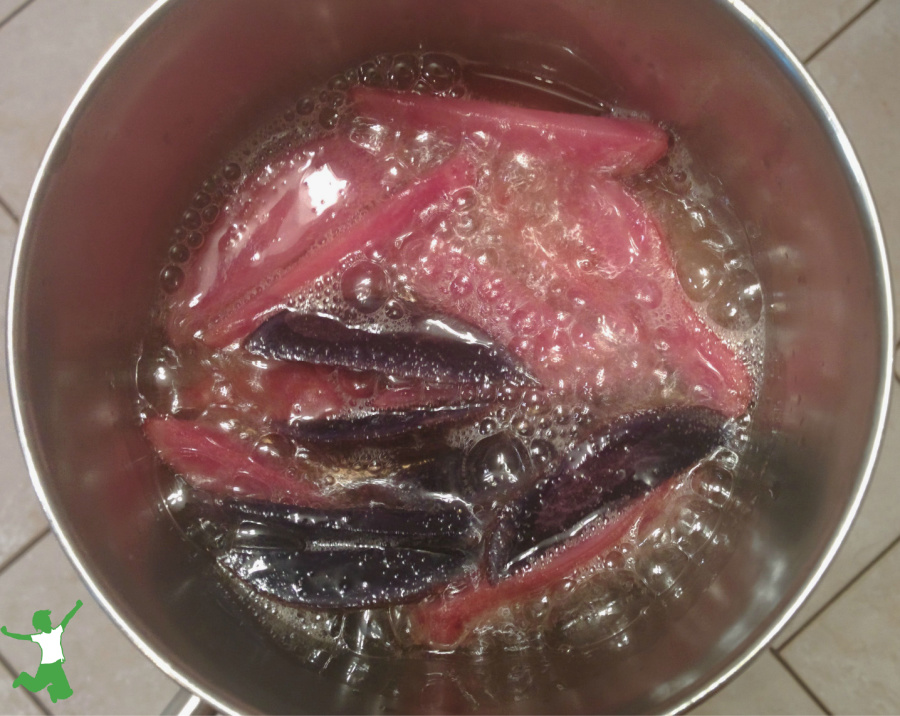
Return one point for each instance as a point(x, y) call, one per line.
point(9, 210)
point(24, 548)
point(28, 694)
point(815, 53)
point(15, 12)
point(801, 682)
point(859, 575)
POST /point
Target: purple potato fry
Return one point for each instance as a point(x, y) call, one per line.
point(633, 456)
point(323, 340)
point(352, 558)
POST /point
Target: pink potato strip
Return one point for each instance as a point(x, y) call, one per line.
point(294, 203)
point(385, 223)
point(615, 277)
point(212, 460)
point(605, 144)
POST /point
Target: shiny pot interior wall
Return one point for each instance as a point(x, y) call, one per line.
point(193, 78)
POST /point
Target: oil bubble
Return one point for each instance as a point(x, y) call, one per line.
point(195, 239)
point(179, 253)
point(466, 225)
point(596, 612)
point(737, 304)
point(171, 278)
point(714, 483)
point(201, 199)
point(440, 71)
point(404, 72)
point(699, 269)
point(333, 99)
point(210, 213)
point(533, 402)
point(496, 465)
point(305, 106)
point(191, 219)
point(487, 426)
point(371, 75)
point(465, 199)
point(523, 428)
point(394, 310)
point(338, 83)
point(694, 525)
point(662, 567)
point(232, 172)
point(542, 452)
point(365, 286)
point(157, 378)
point(328, 118)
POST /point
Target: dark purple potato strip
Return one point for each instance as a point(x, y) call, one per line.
point(635, 455)
point(350, 558)
point(441, 526)
point(380, 425)
point(323, 340)
point(359, 578)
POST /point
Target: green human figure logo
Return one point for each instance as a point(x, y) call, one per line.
point(50, 674)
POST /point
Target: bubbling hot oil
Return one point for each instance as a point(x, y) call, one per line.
point(663, 563)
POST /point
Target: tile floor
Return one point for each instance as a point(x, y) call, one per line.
point(841, 653)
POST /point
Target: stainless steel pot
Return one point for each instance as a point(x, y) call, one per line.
point(189, 79)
